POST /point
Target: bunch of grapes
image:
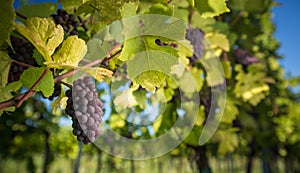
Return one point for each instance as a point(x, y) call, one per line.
point(85, 108)
point(196, 36)
point(243, 57)
point(56, 92)
point(22, 52)
point(67, 21)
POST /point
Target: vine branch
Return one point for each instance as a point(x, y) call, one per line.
point(21, 63)
point(18, 100)
point(240, 15)
point(21, 15)
point(28, 93)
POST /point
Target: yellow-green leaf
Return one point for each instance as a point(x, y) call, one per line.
point(97, 72)
point(211, 8)
point(128, 9)
point(125, 99)
point(70, 54)
point(43, 34)
point(219, 40)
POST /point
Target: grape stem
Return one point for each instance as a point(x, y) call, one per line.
point(66, 84)
point(21, 15)
point(234, 21)
point(18, 100)
point(21, 63)
point(191, 14)
point(82, 23)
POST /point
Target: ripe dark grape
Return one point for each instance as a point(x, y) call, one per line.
point(85, 108)
point(196, 36)
point(57, 91)
point(67, 21)
point(22, 52)
point(243, 57)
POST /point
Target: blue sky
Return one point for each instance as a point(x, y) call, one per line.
point(286, 18)
point(287, 21)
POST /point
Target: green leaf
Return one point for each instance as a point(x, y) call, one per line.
point(31, 75)
point(38, 10)
point(71, 5)
point(6, 20)
point(249, 5)
point(192, 3)
point(38, 57)
point(211, 8)
point(128, 9)
point(97, 72)
point(151, 80)
point(70, 54)
point(4, 68)
point(219, 40)
point(141, 98)
point(43, 34)
point(150, 69)
point(161, 9)
point(107, 11)
point(254, 89)
point(230, 112)
point(227, 69)
point(228, 141)
point(5, 94)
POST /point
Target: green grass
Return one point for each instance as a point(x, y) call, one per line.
point(164, 164)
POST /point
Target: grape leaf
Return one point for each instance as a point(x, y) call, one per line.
point(71, 5)
point(38, 10)
point(43, 34)
point(38, 57)
point(97, 72)
point(128, 9)
point(150, 69)
point(161, 9)
point(218, 40)
point(253, 6)
point(227, 69)
point(6, 20)
point(141, 98)
point(108, 10)
point(230, 112)
point(254, 89)
point(5, 94)
point(211, 8)
point(70, 54)
point(31, 75)
point(4, 68)
point(150, 63)
point(117, 121)
point(125, 99)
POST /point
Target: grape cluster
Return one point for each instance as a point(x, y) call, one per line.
point(57, 91)
point(67, 21)
point(243, 57)
point(196, 36)
point(22, 52)
point(85, 108)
